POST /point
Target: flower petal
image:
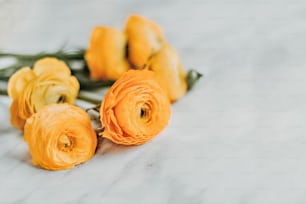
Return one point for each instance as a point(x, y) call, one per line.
point(19, 80)
point(51, 65)
point(16, 120)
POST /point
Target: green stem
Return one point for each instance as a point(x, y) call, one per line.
point(192, 77)
point(3, 92)
point(62, 54)
point(22, 60)
point(89, 97)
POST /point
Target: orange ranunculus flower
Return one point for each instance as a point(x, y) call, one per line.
point(106, 54)
point(168, 66)
point(48, 82)
point(60, 136)
point(135, 108)
point(145, 38)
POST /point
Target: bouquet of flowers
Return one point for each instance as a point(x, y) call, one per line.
point(144, 73)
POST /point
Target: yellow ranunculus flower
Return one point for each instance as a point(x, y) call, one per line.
point(145, 38)
point(106, 52)
point(168, 66)
point(135, 109)
point(60, 136)
point(50, 81)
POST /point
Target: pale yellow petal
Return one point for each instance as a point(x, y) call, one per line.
point(19, 80)
point(51, 65)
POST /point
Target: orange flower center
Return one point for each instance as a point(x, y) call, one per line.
point(145, 112)
point(142, 113)
point(61, 99)
point(65, 143)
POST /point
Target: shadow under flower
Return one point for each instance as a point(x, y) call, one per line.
point(105, 146)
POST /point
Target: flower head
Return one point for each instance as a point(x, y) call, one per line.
point(48, 82)
point(168, 66)
point(105, 55)
point(60, 136)
point(145, 38)
point(135, 109)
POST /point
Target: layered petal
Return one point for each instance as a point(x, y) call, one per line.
point(49, 89)
point(106, 54)
point(60, 136)
point(52, 65)
point(168, 66)
point(145, 38)
point(15, 119)
point(19, 80)
point(135, 109)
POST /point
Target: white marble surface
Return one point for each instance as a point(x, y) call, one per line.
point(238, 137)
